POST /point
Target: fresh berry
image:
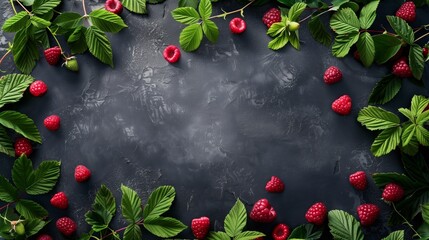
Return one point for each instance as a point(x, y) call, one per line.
point(425, 51)
point(368, 213)
point(358, 180)
point(52, 122)
point(23, 146)
point(200, 227)
point(72, 65)
point(60, 200)
point(19, 228)
point(38, 88)
point(407, 11)
point(343, 105)
point(281, 232)
point(44, 237)
point(316, 214)
point(66, 226)
point(263, 212)
point(293, 26)
point(171, 54)
point(52, 55)
point(237, 25)
point(113, 6)
point(332, 75)
point(401, 68)
point(393, 192)
point(272, 16)
point(275, 185)
point(81, 173)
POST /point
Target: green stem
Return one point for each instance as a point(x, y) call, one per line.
point(1, 60)
point(235, 11)
point(120, 230)
point(56, 40)
point(85, 14)
point(422, 36)
point(406, 221)
point(13, 6)
point(318, 15)
point(23, 7)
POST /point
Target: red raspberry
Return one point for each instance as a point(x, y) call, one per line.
point(263, 212)
point(66, 226)
point(401, 68)
point(368, 213)
point(425, 51)
point(113, 6)
point(44, 237)
point(358, 180)
point(316, 214)
point(281, 232)
point(171, 54)
point(81, 173)
point(237, 25)
point(200, 227)
point(343, 105)
point(393, 192)
point(23, 146)
point(38, 88)
point(52, 122)
point(356, 55)
point(332, 75)
point(60, 200)
point(52, 55)
point(272, 16)
point(407, 11)
point(275, 185)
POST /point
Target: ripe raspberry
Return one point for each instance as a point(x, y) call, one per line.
point(81, 173)
point(275, 185)
point(113, 6)
point(263, 212)
point(272, 16)
point(358, 180)
point(393, 192)
point(44, 237)
point(171, 54)
point(52, 122)
point(343, 105)
point(281, 232)
point(200, 227)
point(425, 51)
point(407, 11)
point(237, 25)
point(52, 55)
point(66, 226)
point(316, 214)
point(38, 88)
point(332, 75)
point(368, 213)
point(23, 146)
point(401, 68)
point(60, 200)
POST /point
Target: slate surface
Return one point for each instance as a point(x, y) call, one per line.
point(216, 125)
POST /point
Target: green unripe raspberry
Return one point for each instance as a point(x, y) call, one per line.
point(293, 26)
point(72, 65)
point(20, 229)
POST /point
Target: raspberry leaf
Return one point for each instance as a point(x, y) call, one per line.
point(98, 44)
point(44, 6)
point(416, 61)
point(276, 29)
point(294, 40)
point(21, 123)
point(236, 219)
point(401, 27)
point(190, 37)
point(296, 10)
point(306, 231)
point(408, 134)
point(386, 46)
point(159, 202)
point(418, 105)
point(318, 31)
point(386, 141)
point(249, 235)
point(343, 43)
point(218, 236)
point(336, 4)
point(135, 6)
point(396, 235)
point(12, 87)
point(8, 193)
point(366, 48)
point(425, 213)
point(186, 15)
point(77, 41)
point(30, 209)
point(39, 22)
point(382, 179)
point(132, 232)
point(6, 145)
point(278, 42)
point(68, 20)
point(422, 135)
point(385, 90)
point(131, 205)
point(33, 226)
point(345, 21)
point(416, 168)
point(107, 21)
point(188, 3)
point(164, 227)
point(375, 118)
point(99, 218)
point(16, 23)
point(368, 14)
point(104, 198)
point(45, 178)
point(344, 226)
point(205, 9)
point(210, 30)
point(25, 53)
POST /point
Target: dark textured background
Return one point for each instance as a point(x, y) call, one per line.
point(216, 126)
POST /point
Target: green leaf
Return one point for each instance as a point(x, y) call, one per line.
point(132, 232)
point(418, 104)
point(366, 48)
point(416, 61)
point(205, 9)
point(131, 205)
point(278, 42)
point(68, 20)
point(276, 29)
point(21, 123)
point(155, 1)
point(236, 219)
point(336, 4)
point(135, 6)
point(382, 179)
point(423, 118)
point(186, 15)
point(218, 236)
point(295, 11)
point(190, 37)
point(354, 6)
point(188, 3)
point(12, 87)
point(294, 40)
point(25, 53)
point(45, 178)
point(249, 235)
point(30, 209)
point(41, 38)
point(423, 231)
point(422, 135)
point(33, 226)
point(27, 2)
point(385, 90)
point(345, 21)
point(44, 6)
point(318, 31)
point(386, 141)
point(39, 22)
point(159, 202)
point(416, 168)
point(412, 148)
point(375, 118)
point(107, 21)
point(104, 198)
point(16, 22)
point(407, 113)
point(164, 227)
point(386, 46)
point(99, 45)
point(344, 226)
point(343, 43)
point(425, 213)
point(401, 27)
point(408, 134)
point(396, 235)
point(8, 193)
point(22, 172)
point(99, 218)
point(77, 41)
point(210, 30)
point(368, 14)
point(6, 145)
point(306, 232)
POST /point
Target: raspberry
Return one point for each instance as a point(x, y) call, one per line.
point(343, 105)
point(425, 51)
point(281, 232)
point(60, 200)
point(407, 11)
point(368, 213)
point(171, 54)
point(263, 212)
point(275, 185)
point(272, 16)
point(358, 180)
point(316, 213)
point(23, 146)
point(66, 226)
point(52, 122)
point(81, 173)
point(44, 237)
point(38, 88)
point(237, 25)
point(200, 227)
point(332, 75)
point(393, 192)
point(113, 6)
point(401, 68)
point(52, 55)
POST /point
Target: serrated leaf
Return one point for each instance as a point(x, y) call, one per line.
point(422, 135)
point(41, 38)
point(8, 193)
point(132, 232)
point(278, 42)
point(186, 15)
point(408, 134)
point(164, 227)
point(33, 226)
point(236, 219)
point(366, 48)
point(385, 90)
point(401, 27)
point(294, 40)
point(20, 123)
point(396, 235)
point(343, 43)
point(190, 37)
point(6, 145)
point(386, 46)
point(249, 235)
point(425, 213)
point(416, 60)
point(386, 141)
point(99, 218)
point(39, 22)
point(336, 4)
point(16, 22)
point(205, 9)
point(25, 53)
point(412, 148)
point(12, 87)
point(107, 21)
point(136, 6)
point(105, 198)
point(218, 236)
point(422, 118)
point(306, 232)
point(345, 21)
point(296, 10)
point(354, 6)
point(45, 178)
point(418, 104)
point(159, 202)
point(210, 30)
point(68, 20)
point(375, 118)
point(416, 168)
point(22, 172)
point(98, 44)
point(44, 6)
point(276, 29)
point(77, 40)
point(131, 205)
point(382, 179)
point(30, 209)
point(368, 14)
point(344, 226)
point(318, 31)
point(188, 3)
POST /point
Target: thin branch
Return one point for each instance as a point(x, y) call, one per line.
point(1, 60)
point(85, 14)
point(235, 11)
point(406, 221)
point(13, 6)
point(23, 7)
point(422, 36)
